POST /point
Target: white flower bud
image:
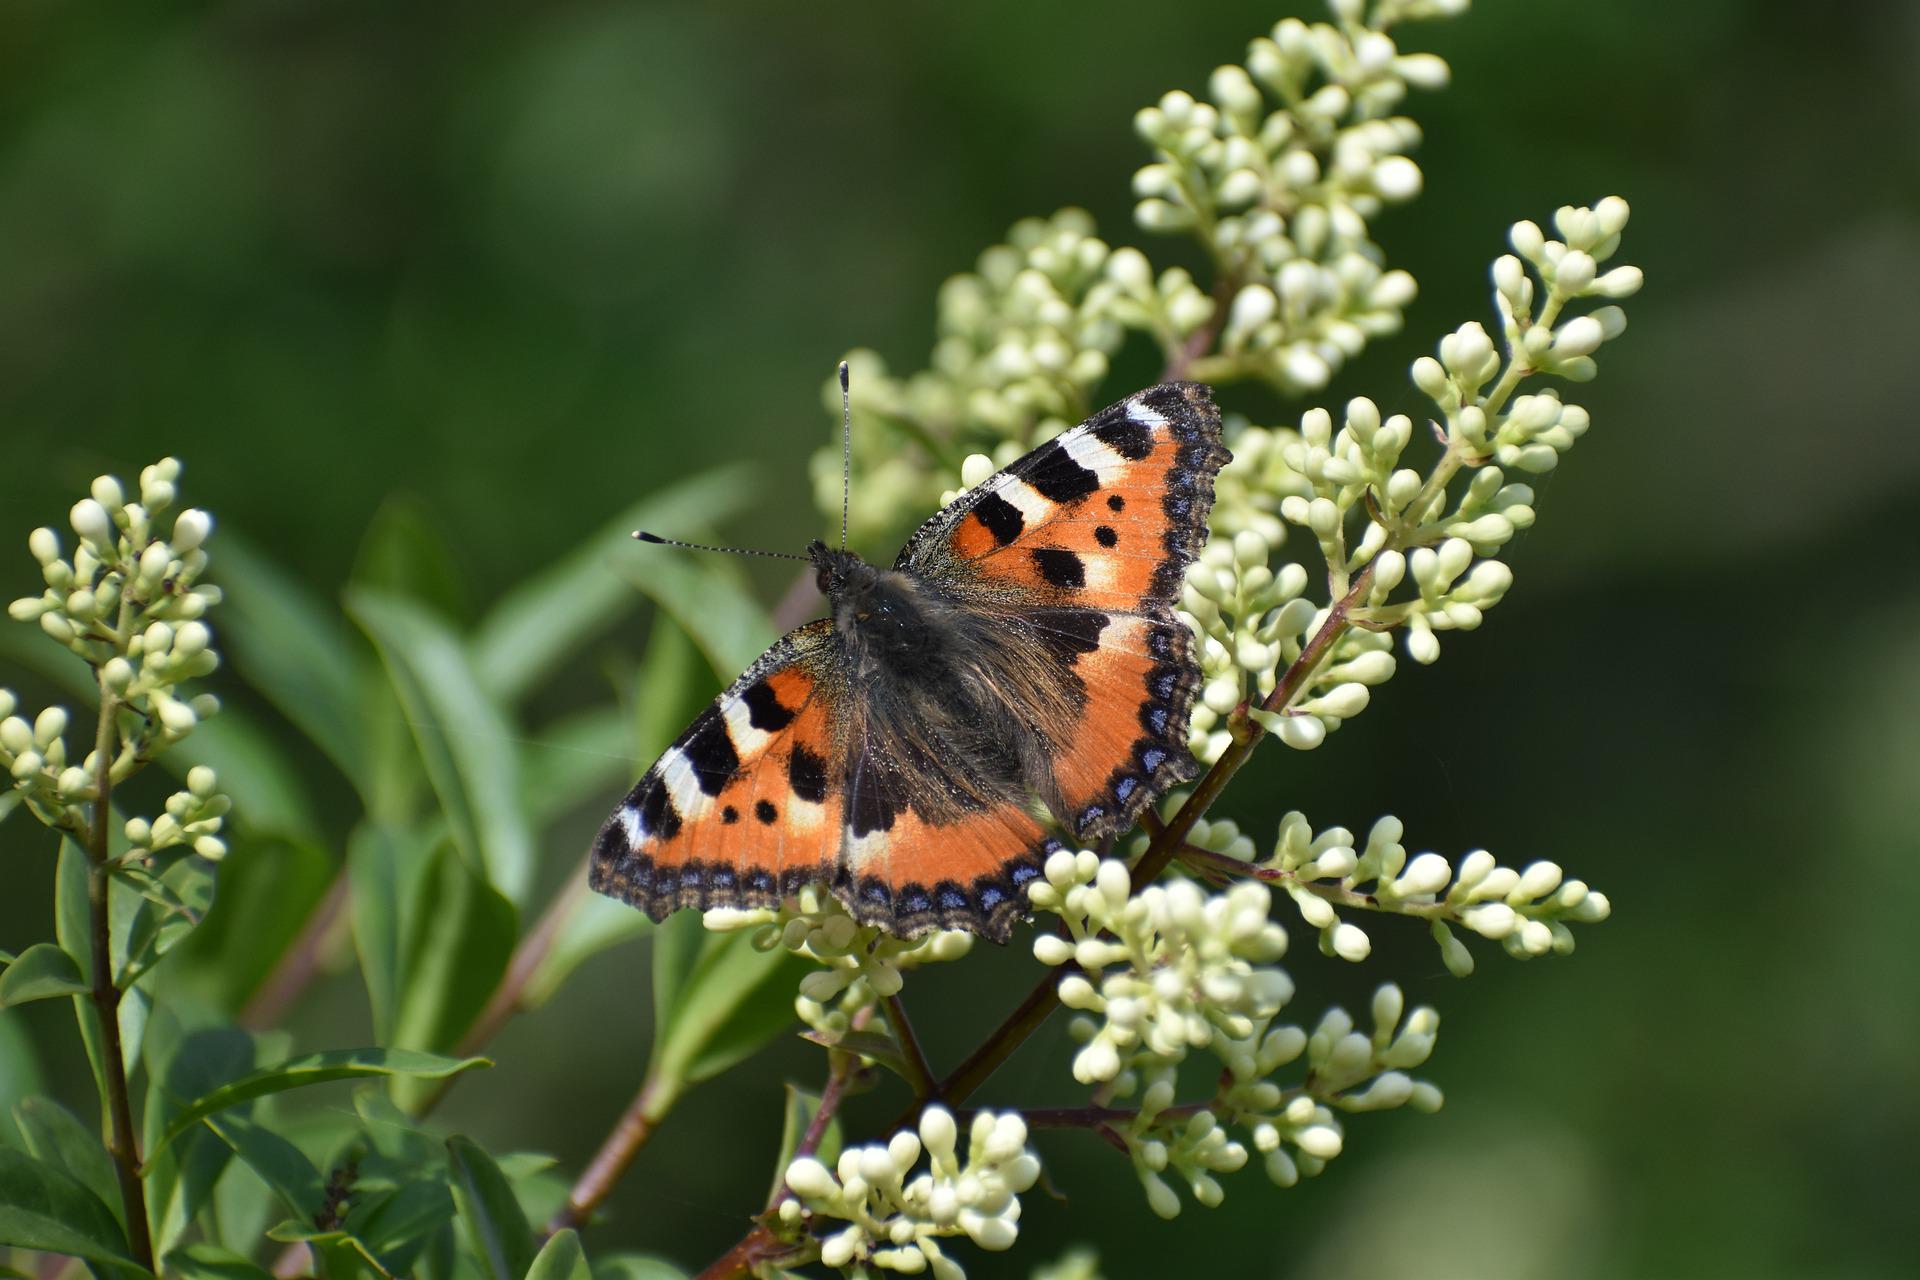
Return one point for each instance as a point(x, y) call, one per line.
point(1350, 942)
point(1579, 336)
point(1428, 873)
point(1253, 306)
point(44, 543)
point(1302, 732)
point(91, 521)
point(1396, 178)
point(1621, 282)
point(1490, 919)
point(1052, 949)
point(27, 764)
point(1320, 1140)
point(49, 725)
point(1160, 1197)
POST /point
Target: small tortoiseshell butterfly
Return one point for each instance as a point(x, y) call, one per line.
point(1016, 682)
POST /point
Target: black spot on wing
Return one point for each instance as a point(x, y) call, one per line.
point(658, 817)
point(807, 775)
point(1105, 535)
point(1116, 503)
point(709, 749)
point(1131, 440)
point(1054, 474)
point(1068, 633)
point(764, 711)
point(1060, 567)
point(765, 811)
point(1002, 519)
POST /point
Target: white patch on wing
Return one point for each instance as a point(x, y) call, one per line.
point(747, 740)
point(1025, 499)
point(864, 849)
point(630, 823)
point(1146, 417)
point(1091, 452)
point(683, 785)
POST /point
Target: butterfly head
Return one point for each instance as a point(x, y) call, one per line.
point(838, 572)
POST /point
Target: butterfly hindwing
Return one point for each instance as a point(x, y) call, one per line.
point(744, 807)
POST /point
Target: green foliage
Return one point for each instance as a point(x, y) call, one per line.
point(438, 858)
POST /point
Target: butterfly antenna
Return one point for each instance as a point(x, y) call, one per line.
point(846, 452)
point(657, 540)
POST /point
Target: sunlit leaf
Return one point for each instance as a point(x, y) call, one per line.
point(466, 741)
point(561, 1258)
point(45, 1207)
point(495, 1225)
point(41, 972)
point(537, 624)
point(317, 1068)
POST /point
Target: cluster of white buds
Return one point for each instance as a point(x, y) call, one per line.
point(1278, 176)
point(860, 964)
point(129, 601)
point(1165, 970)
point(895, 1217)
point(1527, 910)
point(1021, 341)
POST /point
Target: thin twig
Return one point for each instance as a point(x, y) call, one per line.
point(298, 964)
point(635, 1126)
point(122, 1143)
point(925, 1086)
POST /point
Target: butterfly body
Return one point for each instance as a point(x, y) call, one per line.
point(1015, 682)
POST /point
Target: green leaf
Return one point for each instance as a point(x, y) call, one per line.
point(53, 1135)
point(297, 652)
point(172, 906)
point(636, 1266)
point(278, 1163)
point(872, 1045)
point(535, 626)
point(20, 1074)
point(269, 889)
point(594, 924)
point(385, 870)
point(495, 1225)
point(573, 760)
point(561, 1259)
point(798, 1114)
point(186, 1062)
point(733, 1000)
point(211, 1262)
point(404, 553)
point(316, 1068)
point(724, 621)
point(465, 740)
point(41, 972)
point(10, 799)
point(456, 956)
point(44, 1207)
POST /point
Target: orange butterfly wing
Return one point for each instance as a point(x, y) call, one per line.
point(745, 806)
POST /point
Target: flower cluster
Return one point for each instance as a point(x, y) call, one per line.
point(130, 602)
point(1020, 344)
point(895, 1221)
point(1527, 910)
point(860, 964)
point(1278, 176)
point(1169, 970)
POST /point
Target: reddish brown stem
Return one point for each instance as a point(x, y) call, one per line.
point(298, 963)
point(609, 1163)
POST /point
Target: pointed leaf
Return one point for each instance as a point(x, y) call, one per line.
point(636, 1266)
point(724, 621)
point(54, 1135)
point(317, 1068)
point(456, 957)
point(733, 1000)
point(797, 1116)
point(561, 1259)
point(533, 628)
point(44, 1207)
point(296, 650)
point(495, 1225)
point(211, 1262)
point(278, 1163)
point(385, 869)
point(465, 740)
point(40, 972)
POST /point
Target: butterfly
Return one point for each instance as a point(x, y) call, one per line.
point(1017, 683)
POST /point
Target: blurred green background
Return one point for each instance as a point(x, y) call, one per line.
point(513, 266)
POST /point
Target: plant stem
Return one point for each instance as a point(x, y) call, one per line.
point(122, 1144)
point(925, 1086)
point(635, 1126)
